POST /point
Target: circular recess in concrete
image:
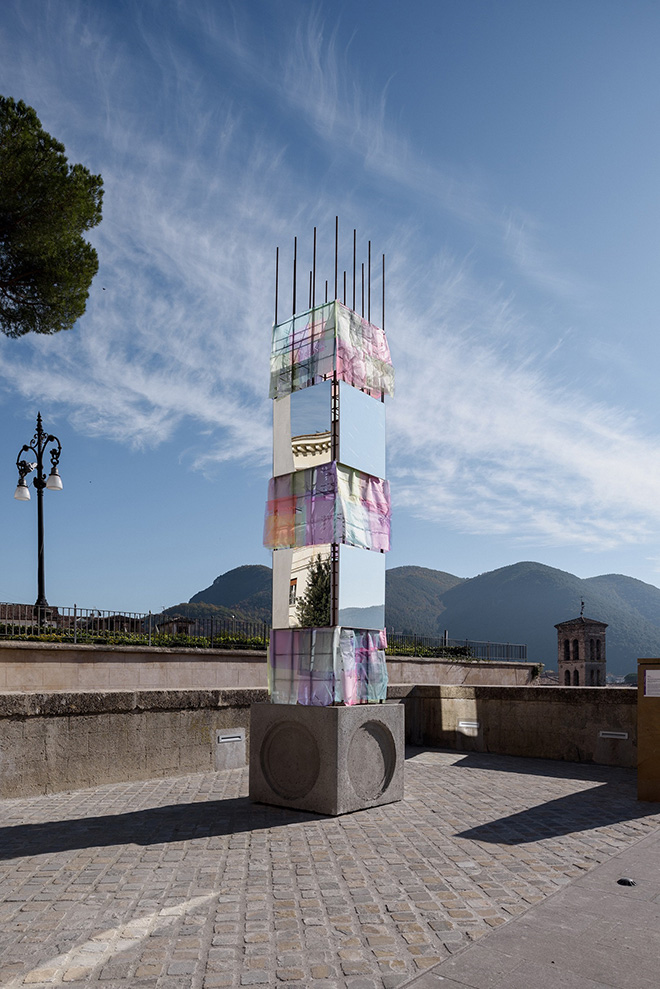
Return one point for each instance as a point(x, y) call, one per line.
point(290, 760)
point(371, 759)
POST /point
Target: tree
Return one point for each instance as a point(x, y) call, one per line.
point(46, 266)
point(313, 608)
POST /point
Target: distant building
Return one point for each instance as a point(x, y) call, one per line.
point(581, 652)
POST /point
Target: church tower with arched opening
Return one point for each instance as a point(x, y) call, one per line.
point(581, 652)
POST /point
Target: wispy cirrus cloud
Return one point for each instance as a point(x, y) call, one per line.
point(200, 186)
point(485, 437)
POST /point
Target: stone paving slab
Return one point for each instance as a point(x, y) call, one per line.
point(182, 882)
point(593, 934)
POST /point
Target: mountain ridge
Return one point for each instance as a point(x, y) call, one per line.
point(521, 603)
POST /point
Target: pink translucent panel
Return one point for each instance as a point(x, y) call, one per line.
point(328, 504)
point(312, 346)
point(323, 666)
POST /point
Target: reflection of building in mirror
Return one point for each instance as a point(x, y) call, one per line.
point(295, 599)
point(310, 449)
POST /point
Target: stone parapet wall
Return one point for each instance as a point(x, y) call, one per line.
point(543, 722)
point(60, 740)
point(418, 670)
point(69, 740)
point(65, 666)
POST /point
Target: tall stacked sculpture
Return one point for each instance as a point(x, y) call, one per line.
point(320, 744)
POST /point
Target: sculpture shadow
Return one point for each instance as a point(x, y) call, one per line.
point(584, 811)
point(613, 802)
point(152, 826)
point(531, 765)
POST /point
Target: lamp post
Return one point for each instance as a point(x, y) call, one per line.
point(40, 442)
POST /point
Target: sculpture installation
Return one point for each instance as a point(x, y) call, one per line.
point(328, 525)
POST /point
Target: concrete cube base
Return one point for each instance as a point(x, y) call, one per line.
point(330, 760)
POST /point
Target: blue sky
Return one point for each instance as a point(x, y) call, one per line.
point(504, 156)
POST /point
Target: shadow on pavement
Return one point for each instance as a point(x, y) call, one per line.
point(594, 808)
point(530, 765)
point(153, 826)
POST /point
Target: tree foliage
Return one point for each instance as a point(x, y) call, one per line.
point(313, 608)
point(46, 266)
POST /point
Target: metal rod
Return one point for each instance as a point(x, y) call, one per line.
point(344, 288)
point(295, 260)
point(310, 290)
point(363, 288)
point(334, 548)
point(326, 290)
point(354, 255)
point(382, 320)
point(277, 278)
point(314, 272)
point(336, 251)
point(369, 286)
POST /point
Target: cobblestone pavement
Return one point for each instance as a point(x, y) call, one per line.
point(183, 883)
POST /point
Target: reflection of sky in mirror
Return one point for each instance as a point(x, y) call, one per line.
point(361, 578)
point(361, 431)
point(310, 410)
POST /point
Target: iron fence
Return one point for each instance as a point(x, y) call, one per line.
point(409, 644)
point(93, 626)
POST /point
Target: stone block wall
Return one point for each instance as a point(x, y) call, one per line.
point(64, 666)
point(543, 722)
point(51, 741)
point(417, 670)
point(70, 740)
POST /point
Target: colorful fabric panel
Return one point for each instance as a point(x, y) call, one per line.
point(323, 666)
point(312, 346)
point(328, 504)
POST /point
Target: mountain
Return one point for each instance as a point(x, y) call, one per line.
point(523, 603)
point(520, 603)
point(414, 599)
point(244, 592)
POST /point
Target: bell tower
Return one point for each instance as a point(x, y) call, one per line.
point(581, 652)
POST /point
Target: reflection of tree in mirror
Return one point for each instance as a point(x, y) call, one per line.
point(313, 608)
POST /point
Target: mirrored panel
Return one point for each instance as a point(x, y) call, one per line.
point(310, 426)
point(282, 453)
point(361, 588)
point(301, 587)
point(361, 431)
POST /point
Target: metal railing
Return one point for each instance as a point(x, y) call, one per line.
point(90, 625)
point(409, 644)
point(94, 626)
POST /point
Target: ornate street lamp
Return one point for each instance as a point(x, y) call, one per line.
point(40, 441)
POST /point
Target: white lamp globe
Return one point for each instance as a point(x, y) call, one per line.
point(54, 482)
point(22, 492)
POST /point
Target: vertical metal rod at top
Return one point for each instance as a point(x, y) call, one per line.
point(354, 256)
point(363, 288)
point(310, 290)
point(314, 272)
point(369, 285)
point(344, 288)
point(336, 251)
point(277, 278)
point(383, 307)
point(295, 261)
